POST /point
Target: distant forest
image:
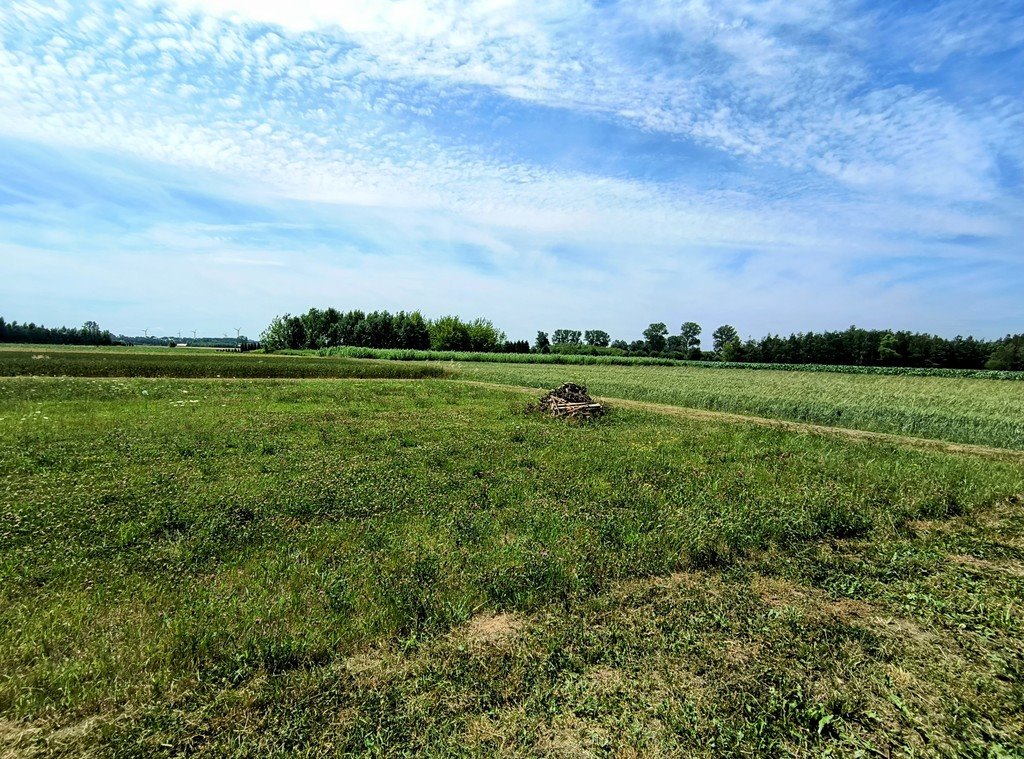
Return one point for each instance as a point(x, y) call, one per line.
point(849, 347)
point(88, 334)
point(327, 328)
point(91, 334)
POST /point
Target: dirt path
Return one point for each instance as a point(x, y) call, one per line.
point(1006, 454)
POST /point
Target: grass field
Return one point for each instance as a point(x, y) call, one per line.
point(573, 359)
point(318, 567)
point(979, 411)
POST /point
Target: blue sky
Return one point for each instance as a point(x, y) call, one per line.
point(777, 165)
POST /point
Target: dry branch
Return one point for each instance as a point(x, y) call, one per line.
point(570, 400)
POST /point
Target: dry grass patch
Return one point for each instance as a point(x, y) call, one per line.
point(26, 740)
point(18, 739)
point(982, 566)
point(493, 629)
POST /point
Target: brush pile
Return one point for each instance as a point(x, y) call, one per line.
point(570, 400)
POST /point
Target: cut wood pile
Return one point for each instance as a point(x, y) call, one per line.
point(570, 400)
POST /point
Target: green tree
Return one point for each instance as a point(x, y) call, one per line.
point(348, 329)
point(313, 326)
point(732, 351)
point(724, 334)
point(887, 350)
point(542, 344)
point(597, 337)
point(449, 334)
point(379, 330)
point(275, 336)
point(566, 337)
point(655, 337)
point(296, 333)
point(413, 332)
point(484, 336)
point(1008, 355)
point(690, 334)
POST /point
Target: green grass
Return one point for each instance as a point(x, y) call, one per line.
point(977, 411)
point(63, 361)
point(404, 354)
point(955, 409)
point(258, 567)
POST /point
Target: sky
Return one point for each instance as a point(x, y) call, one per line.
point(782, 165)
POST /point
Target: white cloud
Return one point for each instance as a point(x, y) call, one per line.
point(786, 83)
point(334, 105)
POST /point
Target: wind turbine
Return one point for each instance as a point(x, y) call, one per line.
point(238, 332)
point(146, 331)
point(194, 334)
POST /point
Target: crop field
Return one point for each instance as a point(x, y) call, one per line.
point(404, 564)
point(162, 362)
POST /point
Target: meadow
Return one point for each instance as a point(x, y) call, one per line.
point(383, 567)
point(962, 410)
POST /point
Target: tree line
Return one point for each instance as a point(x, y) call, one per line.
point(852, 347)
point(327, 328)
point(88, 334)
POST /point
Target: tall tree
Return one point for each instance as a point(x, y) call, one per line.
point(449, 334)
point(655, 336)
point(275, 336)
point(597, 337)
point(724, 334)
point(413, 332)
point(484, 336)
point(887, 351)
point(542, 344)
point(566, 337)
point(690, 333)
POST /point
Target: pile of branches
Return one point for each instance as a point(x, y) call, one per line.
point(570, 400)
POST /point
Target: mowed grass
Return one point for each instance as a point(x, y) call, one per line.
point(395, 568)
point(62, 361)
point(971, 410)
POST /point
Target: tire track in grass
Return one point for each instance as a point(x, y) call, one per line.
point(1005, 454)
